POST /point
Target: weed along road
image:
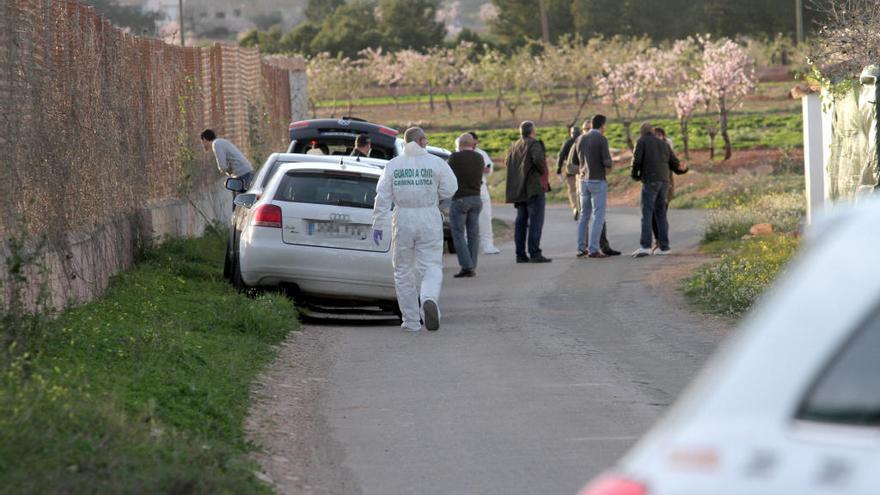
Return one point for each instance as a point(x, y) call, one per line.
point(540, 376)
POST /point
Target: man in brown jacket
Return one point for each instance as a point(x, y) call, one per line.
point(526, 163)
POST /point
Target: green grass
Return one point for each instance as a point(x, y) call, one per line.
point(146, 389)
point(439, 100)
point(731, 285)
point(746, 131)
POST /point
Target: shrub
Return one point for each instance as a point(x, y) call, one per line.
point(731, 285)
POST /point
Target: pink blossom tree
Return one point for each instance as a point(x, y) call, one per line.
point(627, 86)
point(385, 71)
point(727, 75)
point(686, 102)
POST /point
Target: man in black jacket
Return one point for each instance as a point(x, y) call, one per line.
point(362, 146)
point(562, 167)
point(526, 163)
point(652, 161)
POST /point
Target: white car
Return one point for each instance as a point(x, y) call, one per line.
point(306, 224)
point(791, 403)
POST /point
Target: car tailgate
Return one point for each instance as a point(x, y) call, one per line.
point(331, 227)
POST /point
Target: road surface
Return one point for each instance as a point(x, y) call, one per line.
point(539, 378)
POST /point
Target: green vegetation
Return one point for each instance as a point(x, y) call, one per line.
point(731, 285)
point(145, 390)
point(746, 131)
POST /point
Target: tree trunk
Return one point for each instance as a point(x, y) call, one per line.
point(498, 105)
point(350, 107)
point(722, 111)
point(431, 97)
point(712, 145)
point(448, 102)
point(629, 139)
point(543, 102)
point(684, 137)
point(577, 94)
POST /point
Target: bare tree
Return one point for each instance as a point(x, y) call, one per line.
point(848, 38)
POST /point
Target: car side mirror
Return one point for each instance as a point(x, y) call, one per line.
point(245, 200)
point(235, 185)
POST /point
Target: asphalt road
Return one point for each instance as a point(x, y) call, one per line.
point(539, 378)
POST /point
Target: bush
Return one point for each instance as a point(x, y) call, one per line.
point(783, 211)
point(731, 285)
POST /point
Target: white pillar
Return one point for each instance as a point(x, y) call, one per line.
point(814, 154)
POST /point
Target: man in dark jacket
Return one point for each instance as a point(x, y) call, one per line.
point(362, 146)
point(526, 163)
point(652, 161)
point(562, 167)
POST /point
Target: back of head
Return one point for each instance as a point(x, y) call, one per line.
point(526, 128)
point(474, 135)
point(413, 134)
point(660, 132)
point(208, 135)
point(598, 121)
point(573, 131)
point(646, 128)
point(466, 141)
point(361, 141)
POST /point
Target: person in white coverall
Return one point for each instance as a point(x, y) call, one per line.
point(487, 239)
point(415, 182)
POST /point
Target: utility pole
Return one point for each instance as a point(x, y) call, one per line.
point(545, 26)
point(799, 16)
point(180, 22)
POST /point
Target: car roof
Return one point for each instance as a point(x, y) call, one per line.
point(344, 127)
point(344, 165)
point(374, 163)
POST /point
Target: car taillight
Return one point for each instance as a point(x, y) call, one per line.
point(614, 485)
point(389, 132)
point(298, 125)
point(268, 216)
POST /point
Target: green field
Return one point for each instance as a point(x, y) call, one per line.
point(145, 390)
point(746, 131)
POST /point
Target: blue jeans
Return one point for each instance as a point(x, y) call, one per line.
point(654, 207)
point(529, 220)
point(464, 219)
point(594, 195)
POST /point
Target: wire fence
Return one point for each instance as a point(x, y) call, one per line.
point(95, 124)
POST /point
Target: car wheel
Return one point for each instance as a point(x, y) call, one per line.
point(237, 281)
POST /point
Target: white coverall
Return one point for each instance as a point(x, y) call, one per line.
point(415, 182)
point(487, 240)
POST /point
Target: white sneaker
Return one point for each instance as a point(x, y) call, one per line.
point(410, 329)
point(432, 314)
point(491, 250)
point(661, 252)
point(641, 252)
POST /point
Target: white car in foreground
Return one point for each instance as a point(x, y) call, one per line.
point(791, 404)
point(306, 224)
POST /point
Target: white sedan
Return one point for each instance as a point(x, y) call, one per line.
point(306, 224)
point(791, 404)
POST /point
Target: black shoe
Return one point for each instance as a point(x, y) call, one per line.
point(465, 272)
point(540, 259)
point(432, 315)
point(522, 259)
point(611, 252)
point(583, 254)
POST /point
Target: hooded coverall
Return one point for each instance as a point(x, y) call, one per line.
point(414, 182)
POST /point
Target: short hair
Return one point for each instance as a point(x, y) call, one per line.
point(587, 124)
point(646, 128)
point(599, 120)
point(660, 130)
point(526, 128)
point(413, 134)
point(362, 140)
point(208, 135)
point(574, 130)
point(466, 140)
point(474, 135)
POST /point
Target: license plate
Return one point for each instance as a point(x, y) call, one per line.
point(337, 229)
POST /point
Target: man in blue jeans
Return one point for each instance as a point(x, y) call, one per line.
point(652, 161)
point(526, 163)
point(594, 156)
point(464, 213)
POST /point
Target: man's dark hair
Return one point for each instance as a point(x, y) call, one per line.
point(598, 121)
point(526, 128)
point(660, 130)
point(208, 135)
point(362, 140)
point(474, 135)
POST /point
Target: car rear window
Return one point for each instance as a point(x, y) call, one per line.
point(328, 188)
point(848, 389)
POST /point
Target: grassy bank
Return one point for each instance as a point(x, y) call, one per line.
point(747, 264)
point(145, 390)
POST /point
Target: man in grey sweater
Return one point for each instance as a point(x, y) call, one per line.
point(230, 160)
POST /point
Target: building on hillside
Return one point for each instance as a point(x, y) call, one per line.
point(225, 19)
